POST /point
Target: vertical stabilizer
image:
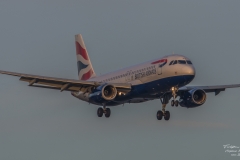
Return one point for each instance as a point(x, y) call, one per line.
point(85, 69)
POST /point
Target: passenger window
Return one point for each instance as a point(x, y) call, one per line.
point(181, 61)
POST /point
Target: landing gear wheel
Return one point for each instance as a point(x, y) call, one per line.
point(172, 103)
point(176, 103)
point(159, 115)
point(107, 112)
point(167, 115)
point(100, 112)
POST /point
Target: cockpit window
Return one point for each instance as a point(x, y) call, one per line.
point(171, 63)
point(181, 62)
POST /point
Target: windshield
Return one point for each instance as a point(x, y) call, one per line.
point(181, 62)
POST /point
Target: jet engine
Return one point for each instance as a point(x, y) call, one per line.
point(109, 92)
point(103, 93)
point(192, 98)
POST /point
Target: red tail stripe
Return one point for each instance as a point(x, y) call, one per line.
point(87, 75)
point(81, 51)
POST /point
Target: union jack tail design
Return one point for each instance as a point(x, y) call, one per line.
point(85, 69)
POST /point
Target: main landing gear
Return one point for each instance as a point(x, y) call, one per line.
point(105, 111)
point(163, 113)
point(165, 100)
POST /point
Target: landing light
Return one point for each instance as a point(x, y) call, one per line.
point(121, 93)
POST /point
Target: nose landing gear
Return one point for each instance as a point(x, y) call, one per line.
point(174, 102)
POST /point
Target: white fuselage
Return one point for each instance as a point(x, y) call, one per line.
point(148, 79)
point(148, 71)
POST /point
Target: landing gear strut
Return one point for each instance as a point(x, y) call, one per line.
point(174, 102)
point(104, 110)
point(163, 113)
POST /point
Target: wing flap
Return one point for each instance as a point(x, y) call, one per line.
point(30, 76)
point(64, 84)
point(51, 84)
point(216, 88)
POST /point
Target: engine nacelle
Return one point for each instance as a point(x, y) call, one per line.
point(109, 92)
point(103, 93)
point(192, 98)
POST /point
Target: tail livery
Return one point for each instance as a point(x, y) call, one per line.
point(85, 69)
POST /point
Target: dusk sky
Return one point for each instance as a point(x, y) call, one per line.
point(37, 37)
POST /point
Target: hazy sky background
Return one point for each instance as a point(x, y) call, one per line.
point(37, 37)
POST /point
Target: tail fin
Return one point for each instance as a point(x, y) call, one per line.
point(85, 69)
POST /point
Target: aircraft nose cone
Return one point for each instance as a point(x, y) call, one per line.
point(188, 70)
point(188, 73)
point(191, 70)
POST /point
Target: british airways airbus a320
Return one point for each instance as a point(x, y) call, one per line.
point(164, 78)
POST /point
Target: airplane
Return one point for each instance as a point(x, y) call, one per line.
point(164, 78)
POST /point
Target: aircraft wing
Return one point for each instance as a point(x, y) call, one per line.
point(216, 88)
point(63, 84)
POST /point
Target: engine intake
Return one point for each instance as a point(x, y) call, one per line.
point(192, 98)
point(109, 92)
point(103, 93)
